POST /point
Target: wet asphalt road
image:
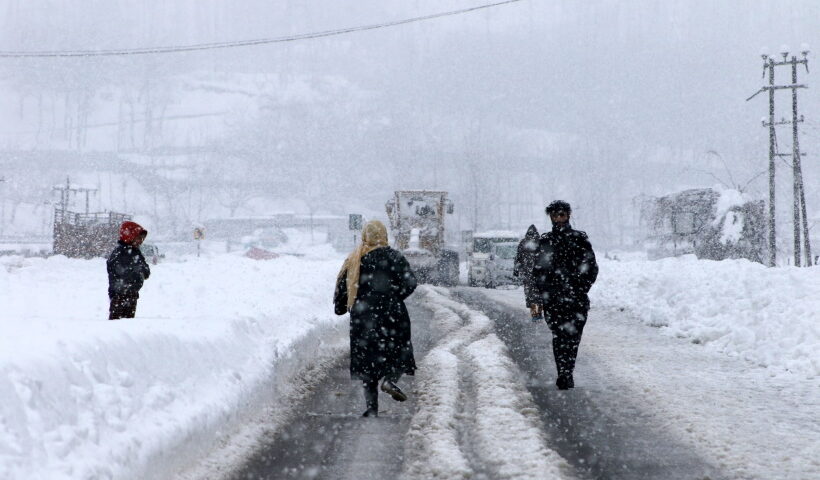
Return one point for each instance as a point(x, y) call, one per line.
point(330, 440)
point(596, 444)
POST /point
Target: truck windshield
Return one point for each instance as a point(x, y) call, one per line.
point(506, 252)
point(484, 244)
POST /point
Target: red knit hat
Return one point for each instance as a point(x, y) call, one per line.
point(129, 231)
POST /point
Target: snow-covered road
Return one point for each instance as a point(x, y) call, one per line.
point(706, 368)
point(483, 405)
point(328, 438)
point(467, 412)
point(647, 405)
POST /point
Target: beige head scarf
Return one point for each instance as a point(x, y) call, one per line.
point(374, 235)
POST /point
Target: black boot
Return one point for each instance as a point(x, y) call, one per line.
point(565, 382)
point(393, 390)
point(371, 398)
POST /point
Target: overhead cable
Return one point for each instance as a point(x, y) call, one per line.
point(242, 43)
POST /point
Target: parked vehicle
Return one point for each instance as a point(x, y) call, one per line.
point(482, 264)
point(151, 253)
point(502, 264)
point(263, 241)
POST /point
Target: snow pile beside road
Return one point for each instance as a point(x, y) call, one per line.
point(769, 316)
point(83, 397)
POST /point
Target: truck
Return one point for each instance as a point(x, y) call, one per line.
point(86, 235)
point(417, 223)
point(712, 224)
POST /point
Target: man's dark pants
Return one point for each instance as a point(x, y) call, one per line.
point(122, 306)
point(567, 325)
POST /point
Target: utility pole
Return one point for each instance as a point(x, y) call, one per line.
point(3, 208)
point(772, 152)
point(66, 191)
point(799, 200)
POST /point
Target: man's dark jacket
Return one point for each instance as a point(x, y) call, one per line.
point(380, 342)
point(127, 269)
point(565, 269)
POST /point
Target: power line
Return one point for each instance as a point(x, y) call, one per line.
point(243, 43)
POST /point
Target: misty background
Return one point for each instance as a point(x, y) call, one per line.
point(599, 103)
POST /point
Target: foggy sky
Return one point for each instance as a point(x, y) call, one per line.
point(596, 102)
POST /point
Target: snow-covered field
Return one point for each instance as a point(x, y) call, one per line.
point(217, 341)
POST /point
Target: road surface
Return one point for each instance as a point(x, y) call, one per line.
point(484, 405)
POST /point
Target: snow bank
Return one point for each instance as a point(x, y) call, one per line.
point(508, 417)
point(83, 397)
point(768, 316)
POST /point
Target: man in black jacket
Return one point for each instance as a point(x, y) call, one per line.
point(127, 269)
point(564, 271)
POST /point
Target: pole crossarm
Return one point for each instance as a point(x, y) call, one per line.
point(782, 87)
point(781, 122)
point(775, 87)
point(788, 62)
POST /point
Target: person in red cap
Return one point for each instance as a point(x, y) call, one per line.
point(127, 269)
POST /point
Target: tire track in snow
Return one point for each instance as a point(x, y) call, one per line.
point(491, 428)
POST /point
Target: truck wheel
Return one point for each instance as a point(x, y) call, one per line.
point(447, 268)
point(452, 272)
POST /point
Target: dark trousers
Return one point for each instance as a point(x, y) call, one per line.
point(531, 296)
point(567, 326)
point(122, 306)
point(371, 390)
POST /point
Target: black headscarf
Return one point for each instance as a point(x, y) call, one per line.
point(532, 233)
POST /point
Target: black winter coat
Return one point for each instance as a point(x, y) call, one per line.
point(565, 269)
point(379, 323)
point(127, 269)
point(525, 261)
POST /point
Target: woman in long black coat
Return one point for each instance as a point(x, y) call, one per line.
point(372, 285)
